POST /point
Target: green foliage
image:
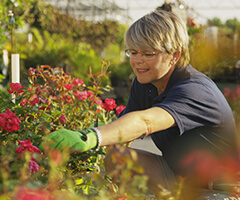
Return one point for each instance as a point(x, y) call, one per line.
point(233, 24)
point(53, 49)
point(20, 8)
point(98, 35)
point(215, 22)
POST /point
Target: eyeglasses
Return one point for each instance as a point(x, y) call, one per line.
point(146, 55)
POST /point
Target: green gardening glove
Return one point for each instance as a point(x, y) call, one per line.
point(76, 141)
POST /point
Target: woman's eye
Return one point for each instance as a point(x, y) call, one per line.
point(148, 54)
point(134, 52)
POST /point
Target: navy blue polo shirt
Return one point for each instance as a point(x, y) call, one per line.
point(195, 102)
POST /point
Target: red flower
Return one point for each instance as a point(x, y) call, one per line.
point(68, 86)
point(62, 119)
point(9, 121)
point(24, 193)
point(77, 81)
point(109, 104)
point(81, 95)
point(225, 167)
point(33, 166)
point(35, 100)
point(119, 109)
point(120, 197)
point(44, 108)
point(38, 90)
point(15, 87)
point(26, 146)
point(31, 71)
point(98, 101)
point(24, 101)
point(67, 98)
point(226, 92)
point(90, 95)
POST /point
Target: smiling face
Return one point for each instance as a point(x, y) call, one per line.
point(156, 71)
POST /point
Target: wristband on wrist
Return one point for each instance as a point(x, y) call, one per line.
point(99, 138)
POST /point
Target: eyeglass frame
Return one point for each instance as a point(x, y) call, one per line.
point(153, 53)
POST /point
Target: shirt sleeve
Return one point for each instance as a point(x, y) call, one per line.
point(192, 105)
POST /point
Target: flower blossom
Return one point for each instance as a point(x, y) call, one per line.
point(24, 102)
point(62, 119)
point(109, 104)
point(15, 88)
point(68, 86)
point(38, 90)
point(232, 95)
point(24, 193)
point(35, 100)
point(81, 95)
point(9, 121)
point(119, 109)
point(33, 166)
point(31, 71)
point(90, 95)
point(77, 81)
point(26, 146)
point(67, 98)
point(98, 101)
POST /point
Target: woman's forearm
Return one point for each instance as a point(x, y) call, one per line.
point(135, 125)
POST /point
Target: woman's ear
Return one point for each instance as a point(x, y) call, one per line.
point(176, 56)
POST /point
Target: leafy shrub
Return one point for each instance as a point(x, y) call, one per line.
point(55, 100)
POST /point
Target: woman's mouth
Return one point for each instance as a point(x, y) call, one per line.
point(141, 71)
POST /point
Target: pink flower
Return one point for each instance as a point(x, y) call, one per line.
point(119, 109)
point(26, 146)
point(98, 111)
point(44, 108)
point(15, 88)
point(43, 100)
point(9, 121)
point(24, 193)
point(90, 95)
point(31, 71)
point(24, 101)
point(33, 166)
point(109, 104)
point(68, 86)
point(238, 91)
point(98, 101)
point(77, 81)
point(81, 95)
point(120, 197)
point(62, 119)
point(35, 100)
point(226, 92)
point(38, 90)
point(67, 98)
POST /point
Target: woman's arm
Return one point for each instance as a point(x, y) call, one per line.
point(136, 124)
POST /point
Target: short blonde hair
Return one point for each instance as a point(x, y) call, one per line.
point(160, 30)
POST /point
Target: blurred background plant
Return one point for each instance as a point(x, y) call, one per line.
point(233, 97)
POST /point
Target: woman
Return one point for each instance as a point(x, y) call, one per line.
point(186, 115)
